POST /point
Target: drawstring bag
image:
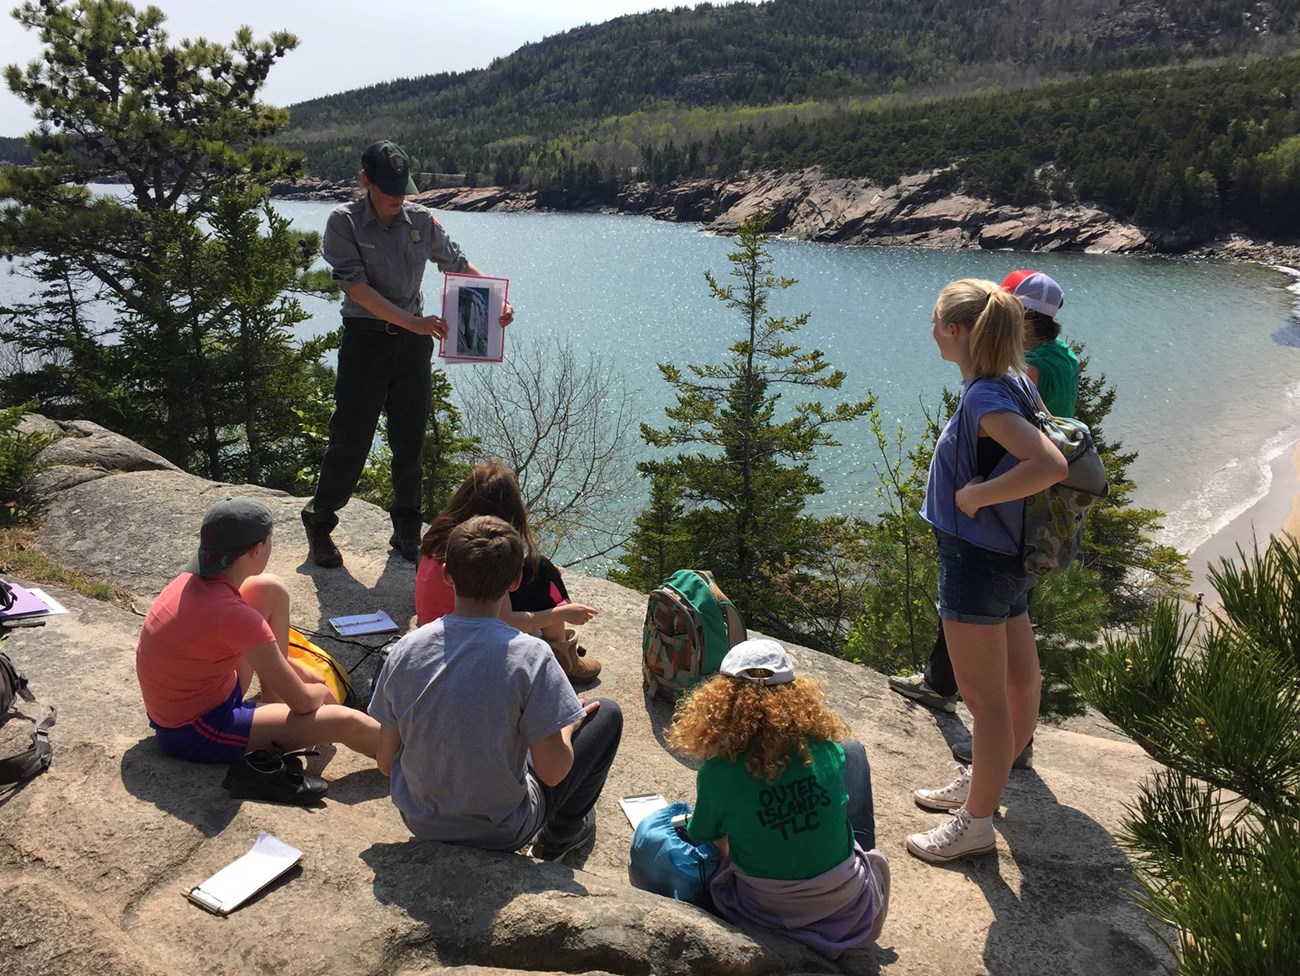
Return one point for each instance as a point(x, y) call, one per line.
point(666, 861)
point(320, 662)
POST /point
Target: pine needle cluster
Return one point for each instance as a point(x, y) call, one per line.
point(1216, 832)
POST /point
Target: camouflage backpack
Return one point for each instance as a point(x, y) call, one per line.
point(689, 627)
point(1053, 520)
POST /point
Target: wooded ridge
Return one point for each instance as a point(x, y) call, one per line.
point(1026, 103)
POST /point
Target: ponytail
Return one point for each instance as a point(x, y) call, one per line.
point(995, 319)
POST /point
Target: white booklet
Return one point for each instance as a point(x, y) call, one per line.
point(234, 884)
point(357, 624)
point(472, 306)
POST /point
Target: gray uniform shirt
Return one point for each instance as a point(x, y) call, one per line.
point(391, 260)
point(469, 695)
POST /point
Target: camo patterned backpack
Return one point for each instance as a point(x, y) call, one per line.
point(1053, 519)
point(689, 627)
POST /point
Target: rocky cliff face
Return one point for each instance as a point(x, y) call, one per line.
point(919, 210)
point(95, 853)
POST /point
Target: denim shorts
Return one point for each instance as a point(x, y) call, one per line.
point(219, 736)
point(978, 585)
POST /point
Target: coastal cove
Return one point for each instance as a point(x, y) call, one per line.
point(1204, 355)
point(1199, 352)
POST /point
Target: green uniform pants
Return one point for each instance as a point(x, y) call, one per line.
point(379, 369)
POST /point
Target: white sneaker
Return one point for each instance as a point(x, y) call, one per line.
point(949, 797)
point(962, 836)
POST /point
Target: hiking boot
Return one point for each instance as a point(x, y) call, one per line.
point(577, 667)
point(962, 836)
point(949, 797)
point(406, 546)
point(323, 551)
point(961, 752)
point(550, 846)
point(266, 775)
point(915, 687)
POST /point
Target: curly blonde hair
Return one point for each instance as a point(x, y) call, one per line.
point(726, 716)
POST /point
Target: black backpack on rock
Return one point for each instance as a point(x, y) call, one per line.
point(13, 685)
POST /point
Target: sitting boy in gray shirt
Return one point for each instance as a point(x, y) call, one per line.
point(484, 740)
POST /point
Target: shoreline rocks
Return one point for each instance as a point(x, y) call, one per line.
point(921, 210)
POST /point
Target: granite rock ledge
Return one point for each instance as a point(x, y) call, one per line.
point(95, 853)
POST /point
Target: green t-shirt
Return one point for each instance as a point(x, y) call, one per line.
point(1058, 376)
point(795, 828)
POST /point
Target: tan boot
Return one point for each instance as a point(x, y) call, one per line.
point(579, 670)
point(572, 635)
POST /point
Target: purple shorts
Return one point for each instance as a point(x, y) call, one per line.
point(220, 736)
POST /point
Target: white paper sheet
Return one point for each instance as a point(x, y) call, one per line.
point(357, 624)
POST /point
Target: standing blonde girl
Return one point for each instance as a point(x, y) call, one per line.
point(988, 459)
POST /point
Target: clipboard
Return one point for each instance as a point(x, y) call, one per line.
point(234, 884)
point(637, 808)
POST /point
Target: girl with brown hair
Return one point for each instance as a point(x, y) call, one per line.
point(540, 604)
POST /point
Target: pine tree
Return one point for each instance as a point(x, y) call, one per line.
point(194, 359)
point(1216, 701)
point(744, 480)
point(1119, 540)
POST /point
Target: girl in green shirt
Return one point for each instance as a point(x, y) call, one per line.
point(785, 796)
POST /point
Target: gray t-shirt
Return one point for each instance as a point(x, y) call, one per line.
point(469, 695)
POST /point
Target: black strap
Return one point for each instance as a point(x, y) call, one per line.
point(35, 760)
point(24, 765)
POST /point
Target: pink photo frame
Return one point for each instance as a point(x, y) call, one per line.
point(472, 306)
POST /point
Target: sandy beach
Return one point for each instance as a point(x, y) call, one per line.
point(1276, 513)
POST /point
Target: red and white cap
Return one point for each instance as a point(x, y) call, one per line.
point(1037, 292)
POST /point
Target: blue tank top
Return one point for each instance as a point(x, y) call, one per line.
point(955, 462)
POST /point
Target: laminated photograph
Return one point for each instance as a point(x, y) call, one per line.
point(472, 307)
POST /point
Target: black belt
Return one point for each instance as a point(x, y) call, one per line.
point(371, 325)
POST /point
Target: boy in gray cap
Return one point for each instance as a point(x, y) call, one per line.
point(379, 247)
point(222, 620)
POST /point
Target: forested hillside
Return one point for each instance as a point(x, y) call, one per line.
point(14, 150)
point(867, 88)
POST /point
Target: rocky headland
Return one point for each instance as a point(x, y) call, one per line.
point(95, 853)
point(919, 211)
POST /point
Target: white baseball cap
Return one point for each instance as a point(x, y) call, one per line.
point(762, 660)
point(1037, 292)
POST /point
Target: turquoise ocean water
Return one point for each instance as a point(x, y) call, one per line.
point(1205, 356)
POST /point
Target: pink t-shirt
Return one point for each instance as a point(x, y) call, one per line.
point(193, 639)
point(434, 596)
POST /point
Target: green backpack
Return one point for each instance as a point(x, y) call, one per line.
point(690, 625)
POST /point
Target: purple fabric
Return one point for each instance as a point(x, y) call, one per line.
point(838, 909)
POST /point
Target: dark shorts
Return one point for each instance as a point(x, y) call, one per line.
point(220, 736)
point(978, 585)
